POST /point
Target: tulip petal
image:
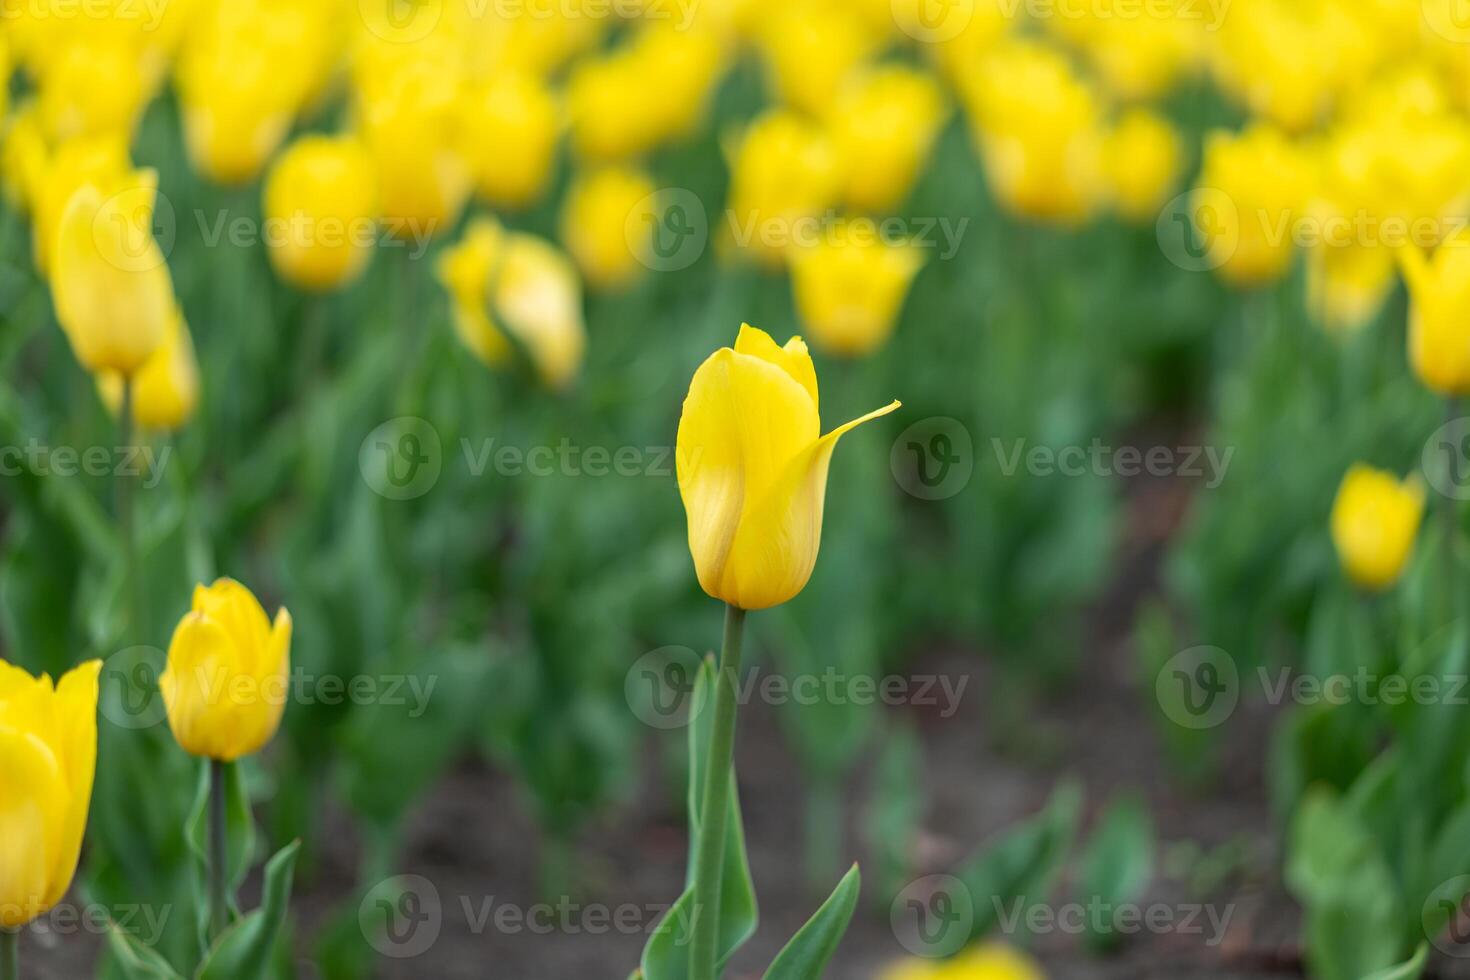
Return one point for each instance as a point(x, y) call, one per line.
point(236, 609)
point(745, 419)
point(76, 747)
point(794, 358)
point(539, 298)
point(207, 698)
point(776, 547)
point(33, 794)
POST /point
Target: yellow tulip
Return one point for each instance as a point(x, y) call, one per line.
point(784, 168)
point(1439, 314)
point(887, 119)
point(109, 281)
point(515, 124)
point(1138, 53)
point(1252, 189)
point(752, 466)
point(225, 685)
point(1348, 284)
point(166, 388)
point(811, 49)
point(992, 961)
point(1375, 520)
point(7, 67)
point(963, 33)
point(607, 213)
point(23, 159)
point(100, 161)
point(850, 286)
point(92, 88)
point(48, 758)
point(1039, 131)
point(322, 197)
point(1143, 157)
point(682, 66)
point(495, 277)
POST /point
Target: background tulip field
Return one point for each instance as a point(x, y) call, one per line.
point(1137, 645)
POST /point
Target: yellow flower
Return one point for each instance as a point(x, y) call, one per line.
point(851, 284)
point(1348, 284)
point(92, 88)
point(1039, 131)
point(48, 758)
point(683, 66)
point(166, 388)
point(23, 159)
point(225, 685)
point(609, 105)
point(7, 66)
point(607, 213)
point(1374, 523)
point(887, 119)
point(784, 169)
point(1143, 156)
point(100, 161)
point(752, 466)
point(322, 198)
point(992, 961)
point(1439, 314)
point(498, 277)
point(109, 281)
point(1137, 55)
point(515, 122)
point(811, 49)
point(1252, 189)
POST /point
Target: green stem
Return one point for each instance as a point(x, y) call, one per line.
point(9, 954)
point(710, 857)
point(218, 870)
point(127, 519)
point(1449, 513)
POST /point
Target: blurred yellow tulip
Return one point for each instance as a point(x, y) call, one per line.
point(23, 159)
point(226, 683)
point(1139, 51)
point(48, 758)
point(1039, 130)
point(1439, 314)
point(92, 88)
point(7, 68)
point(109, 280)
point(321, 197)
point(851, 284)
point(1143, 157)
point(100, 161)
point(752, 466)
point(609, 107)
point(496, 277)
point(682, 66)
point(166, 388)
point(514, 125)
point(887, 119)
point(1375, 521)
point(990, 961)
point(607, 213)
point(1347, 285)
point(811, 49)
point(1252, 190)
point(784, 168)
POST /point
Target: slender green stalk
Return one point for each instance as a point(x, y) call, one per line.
point(1449, 514)
point(219, 871)
point(9, 954)
point(710, 857)
point(127, 519)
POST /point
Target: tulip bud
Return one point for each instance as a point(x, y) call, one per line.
point(1439, 314)
point(514, 123)
point(92, 87)
point(850, 286)
point(48, 758)
point(605, 215)
point(1348, 284)
point(783, 169)
point(166, 388)
point(752, 466)
point(887, 119)
point(102, 162)
point(1374, 523)
point(23, 159)
point(1143, 157)
point(322, 193)
point(811, 50)
point(110, 284)
point(225, 685)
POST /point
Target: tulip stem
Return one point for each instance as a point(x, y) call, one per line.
point(126, 518)
point(1449, 510)
point(710, 856)
point(218, 872)
point(9, 954)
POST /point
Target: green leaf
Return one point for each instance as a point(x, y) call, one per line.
point(239, 835)
point(135, 960)
point(1118, 862)
point(666, 956)
point(806, 956)
point(1410, 969)
point(244, 950)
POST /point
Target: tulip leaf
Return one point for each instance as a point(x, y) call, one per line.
point(244, 950)
point(1117, 863)
point(806, 956)
point(1410, 969)
point(666, 957)
point(239, 835)
point(135, 960)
